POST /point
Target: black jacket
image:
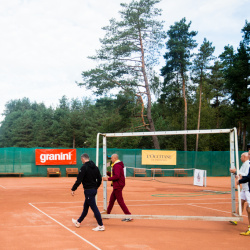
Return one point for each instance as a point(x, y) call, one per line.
point(246, 179)
point(89, 175)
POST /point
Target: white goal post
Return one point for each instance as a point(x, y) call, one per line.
point(234, 163)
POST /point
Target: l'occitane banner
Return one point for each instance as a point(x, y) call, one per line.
point(158, 157)
point(55, 156)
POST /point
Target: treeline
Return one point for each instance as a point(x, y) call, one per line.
point(198, 91)
point(74, 123)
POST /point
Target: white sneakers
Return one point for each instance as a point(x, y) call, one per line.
point(99, 228)
point(76, 223)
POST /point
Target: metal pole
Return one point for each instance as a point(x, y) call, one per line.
point(104, 173)
point(205, 181)
point(237, 167)
point(97, 150)
point(97, 158)
point(232, 165)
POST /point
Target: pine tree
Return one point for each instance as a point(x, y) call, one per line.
point(200, 73)
point(237, 75)
point(129, 51)
point(178, 60)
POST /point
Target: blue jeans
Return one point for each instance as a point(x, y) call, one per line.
point(90, 202)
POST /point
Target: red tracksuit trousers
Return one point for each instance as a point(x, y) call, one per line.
point(117, 195)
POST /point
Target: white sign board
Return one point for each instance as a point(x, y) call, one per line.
point(198, 177)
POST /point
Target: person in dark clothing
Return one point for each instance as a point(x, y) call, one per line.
point(90, 177)
point(118, 180)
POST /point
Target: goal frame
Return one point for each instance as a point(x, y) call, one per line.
point(234, 163)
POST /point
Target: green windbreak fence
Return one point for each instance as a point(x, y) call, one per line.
point(22, 160)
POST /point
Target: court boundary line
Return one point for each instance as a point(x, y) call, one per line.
point(140, 205)
point(65, 227)
point(143, 205)
point(171, 217)
point(182, 198)
point(3, 187)
point(191, 204)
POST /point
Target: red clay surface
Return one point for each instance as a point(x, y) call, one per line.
point(36, 213)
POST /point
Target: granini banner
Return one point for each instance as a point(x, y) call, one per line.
point(55, 156)
point(158, 157)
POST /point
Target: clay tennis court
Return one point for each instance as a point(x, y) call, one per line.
point(36, 213)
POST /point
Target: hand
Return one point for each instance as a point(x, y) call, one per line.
point(105, 178)
point(72, 193)
point(238, 177)
point(232, 170)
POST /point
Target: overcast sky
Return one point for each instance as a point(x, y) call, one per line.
point(45, 43)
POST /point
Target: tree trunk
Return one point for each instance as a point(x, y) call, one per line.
point(149, 115)
point(239, 132)
point(199, 118)
point(74, 141)
point(244, 137)
point(217, 112)
point(185, 109)
point(239, 127)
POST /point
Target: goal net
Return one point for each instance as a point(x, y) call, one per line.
point(180, 176)
point(175, 179)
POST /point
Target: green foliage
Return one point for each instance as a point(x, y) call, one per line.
point(129, 50)
point(179, 45)
point(178, 60)
point(237, 76)
point(246, 35)
point(127, 45)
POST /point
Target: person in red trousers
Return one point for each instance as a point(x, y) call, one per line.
point(118, 179)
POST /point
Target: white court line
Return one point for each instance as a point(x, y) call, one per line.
point(20, 187)
point(178, 204)
point(3, 187)
point(66, 227)
point(143, 205)
point(61, 202)
point(212, 208)
point(44, 202)
point(191, 204)
point(182, 198)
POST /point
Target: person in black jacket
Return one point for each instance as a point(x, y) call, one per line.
point(90, 177)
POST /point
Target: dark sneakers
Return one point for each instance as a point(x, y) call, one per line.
point(127, 219)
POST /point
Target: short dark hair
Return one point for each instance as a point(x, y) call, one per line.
point(85, 156)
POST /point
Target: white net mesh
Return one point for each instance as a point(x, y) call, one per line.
point(178, 175)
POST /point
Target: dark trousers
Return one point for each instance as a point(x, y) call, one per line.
point(90, 202)
point(117, 195)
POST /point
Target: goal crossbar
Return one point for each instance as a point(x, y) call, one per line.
point(234, 163)
point(171, 217)
point(180, 132)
